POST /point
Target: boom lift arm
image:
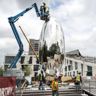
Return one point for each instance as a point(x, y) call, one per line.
point(12, 20)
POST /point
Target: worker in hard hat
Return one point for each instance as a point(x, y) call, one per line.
point(44, 9)
point(78, 81)
point(54, 86)
point(41, 80)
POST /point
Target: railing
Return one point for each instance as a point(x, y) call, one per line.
point(89, 86)
point(21, 87)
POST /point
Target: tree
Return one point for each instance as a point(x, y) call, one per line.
point(1, 72)
point(54, 49)
point(43, 53)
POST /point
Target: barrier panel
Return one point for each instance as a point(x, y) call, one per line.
point(89, 86)
point(7, 86)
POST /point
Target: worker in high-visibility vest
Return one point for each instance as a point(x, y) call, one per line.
point(55, 87)
point(78, 81)
point(41, 80)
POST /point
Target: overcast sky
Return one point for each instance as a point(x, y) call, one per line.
point(78, 18)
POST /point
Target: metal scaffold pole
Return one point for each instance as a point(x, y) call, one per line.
point(28, 42)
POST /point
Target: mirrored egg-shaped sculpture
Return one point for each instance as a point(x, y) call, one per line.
point(52, 44)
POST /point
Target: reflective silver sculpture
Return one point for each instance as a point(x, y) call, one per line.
point(52, 44)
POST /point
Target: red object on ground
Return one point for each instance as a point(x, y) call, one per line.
point(7, 86)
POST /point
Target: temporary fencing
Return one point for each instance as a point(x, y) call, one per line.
point(7, 86)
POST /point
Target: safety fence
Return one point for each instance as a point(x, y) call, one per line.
point(89, 86)
point(7, 86)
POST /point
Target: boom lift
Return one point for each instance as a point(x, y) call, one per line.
point(42, 13)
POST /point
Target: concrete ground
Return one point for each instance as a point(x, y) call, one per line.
point(63, 91)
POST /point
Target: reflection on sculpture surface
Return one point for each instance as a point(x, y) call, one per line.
point(52, 44)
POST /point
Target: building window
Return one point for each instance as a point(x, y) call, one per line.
point(22, 59)
point(36, 49)
point(36, 46)
point(68, 73)
point(70, 61)
point(82, 69)
point(49, 65)
point(89, 71)
point(36, 67)
point(65, 61)
point(69, 67)
point(9, 59)
point(30, 60)
point(76, 65)
point(77, 72)
point(73, 73)
point(23, 67)
point(65, 68)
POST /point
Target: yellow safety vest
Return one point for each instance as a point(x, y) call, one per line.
point(54, 85)
point(78, 78)
point(40, 77)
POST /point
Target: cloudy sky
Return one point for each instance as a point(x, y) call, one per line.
point(76, 16)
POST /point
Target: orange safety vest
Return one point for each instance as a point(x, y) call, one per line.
point(54, 85)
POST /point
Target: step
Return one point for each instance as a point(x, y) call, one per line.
point(49, 93)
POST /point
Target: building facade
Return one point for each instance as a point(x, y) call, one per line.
point(26, 63)
point(35, 46)
point(75, 62)
point(54, 65)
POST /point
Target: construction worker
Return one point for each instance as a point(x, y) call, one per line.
point(55, 87)
point(44, 9)
point(41, 80)
point(78, 81)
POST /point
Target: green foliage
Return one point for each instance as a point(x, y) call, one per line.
point(54, 49)
point(43, 53)
point(1, 72)
point(27, 70)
